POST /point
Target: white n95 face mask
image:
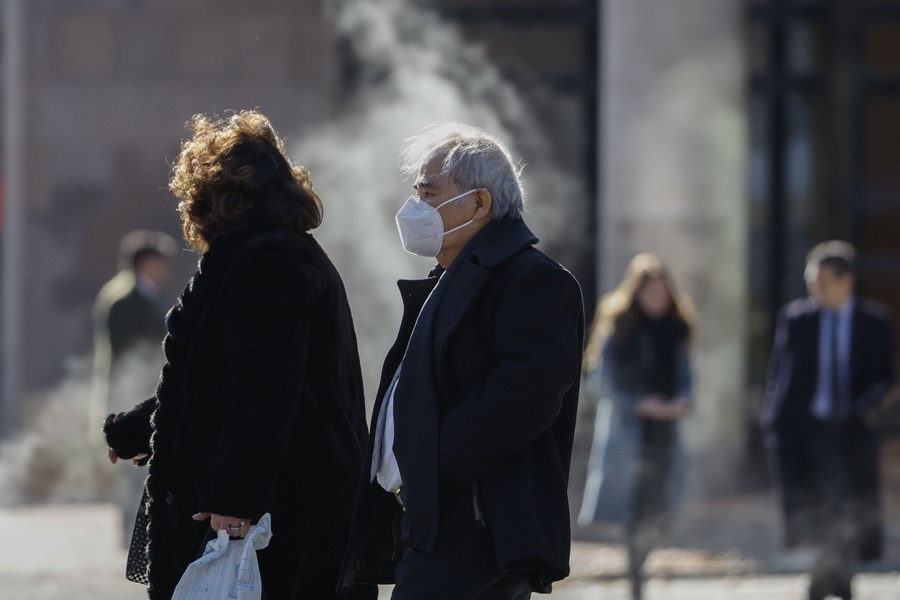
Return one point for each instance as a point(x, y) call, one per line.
point(421, 226)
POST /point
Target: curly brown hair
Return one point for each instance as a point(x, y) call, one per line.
point(233, 168)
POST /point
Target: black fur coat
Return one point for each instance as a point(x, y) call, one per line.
point(259, 409)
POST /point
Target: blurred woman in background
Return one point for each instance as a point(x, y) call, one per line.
point(638, 374)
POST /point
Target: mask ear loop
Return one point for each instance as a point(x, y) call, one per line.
point(445, 202)
point(449, 231)
point(467, 223)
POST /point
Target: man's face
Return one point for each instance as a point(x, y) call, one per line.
point(828, 288)
point(433, 187)
point(157, 268)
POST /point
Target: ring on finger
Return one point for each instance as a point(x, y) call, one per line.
point(235, 527)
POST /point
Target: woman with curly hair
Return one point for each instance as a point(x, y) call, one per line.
point(259, 406)
point(639, 376)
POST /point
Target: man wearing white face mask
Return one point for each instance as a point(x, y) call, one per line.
point(464, 491)
point(421, 225)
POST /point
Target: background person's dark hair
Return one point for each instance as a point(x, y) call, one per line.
point(137, 245)
point(838, 255)
point(233, 169)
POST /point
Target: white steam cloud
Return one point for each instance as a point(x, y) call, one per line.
point(60, 456)
point(408, 68)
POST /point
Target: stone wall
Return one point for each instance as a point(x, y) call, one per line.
point(109, 87)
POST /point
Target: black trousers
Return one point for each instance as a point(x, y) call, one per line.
point(463, 565)
point(844, 459)
point(828, 471)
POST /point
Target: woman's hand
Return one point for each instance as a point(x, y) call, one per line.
point(136, 461)
point(657, 408)
point(651, 407)
point(233, 526)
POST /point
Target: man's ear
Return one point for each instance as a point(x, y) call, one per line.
point(483, 204)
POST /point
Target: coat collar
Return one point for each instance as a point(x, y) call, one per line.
point(465, 278)
point(498, 241)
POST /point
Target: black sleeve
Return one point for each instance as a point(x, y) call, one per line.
point(128, 433)
point(881, 357)
point(777, 356)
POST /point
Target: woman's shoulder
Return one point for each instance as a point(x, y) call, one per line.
point(269, 249)
point(258, 253)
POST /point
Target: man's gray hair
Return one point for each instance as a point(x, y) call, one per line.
point(472, 159)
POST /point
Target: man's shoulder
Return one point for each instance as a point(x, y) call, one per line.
point(535, 261)
point(873, 310)
point(115, 290)
point(799, 309)
point(533, 273)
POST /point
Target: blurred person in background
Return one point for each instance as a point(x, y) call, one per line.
point(463, 494)
point(260, 404)
point(831, 364)
point(129, 318)
point(638, 373)
point(129, 326)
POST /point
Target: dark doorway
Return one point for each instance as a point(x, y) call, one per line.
point(824, 96)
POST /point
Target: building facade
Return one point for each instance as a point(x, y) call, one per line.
point(101, 94)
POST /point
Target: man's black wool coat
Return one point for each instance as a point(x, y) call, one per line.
point(486, 402)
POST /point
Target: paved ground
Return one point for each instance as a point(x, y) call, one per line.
point(63, 552)
point(867, 587)
point(69, 552)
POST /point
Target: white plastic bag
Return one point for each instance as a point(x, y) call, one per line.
point(228, 569)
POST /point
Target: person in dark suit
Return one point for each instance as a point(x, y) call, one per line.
point(831, 364)
point(129, 321)
point(129, 326)
point(463, 494)
point(259, 407)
